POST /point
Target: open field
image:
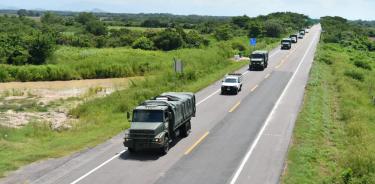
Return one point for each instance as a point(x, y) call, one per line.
point(334, 135)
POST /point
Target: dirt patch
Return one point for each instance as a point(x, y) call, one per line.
point(50, 102)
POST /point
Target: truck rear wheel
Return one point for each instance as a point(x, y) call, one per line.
point(185, 130)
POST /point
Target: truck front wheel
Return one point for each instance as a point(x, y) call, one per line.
point(164, 150)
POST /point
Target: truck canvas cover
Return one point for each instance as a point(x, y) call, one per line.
point(181, 103)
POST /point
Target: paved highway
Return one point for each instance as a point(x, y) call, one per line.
point(235, 138)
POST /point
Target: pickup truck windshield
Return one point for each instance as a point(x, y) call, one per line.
point(147, 116)
point(229, 80)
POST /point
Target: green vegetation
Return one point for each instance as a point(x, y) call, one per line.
point(334, 135)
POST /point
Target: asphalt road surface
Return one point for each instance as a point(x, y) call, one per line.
point(240, 138)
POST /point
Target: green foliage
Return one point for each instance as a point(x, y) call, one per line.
point(96, 28)
point(334, 133)
point(41, 48)
point(143, 43)
point(168, 39)
point(223, 33)
point(363, 64)
point(241, 21)
point(273, 28)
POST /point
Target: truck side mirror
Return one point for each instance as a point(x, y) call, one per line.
point(128, 115)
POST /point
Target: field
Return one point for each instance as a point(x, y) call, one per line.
point(333, 140)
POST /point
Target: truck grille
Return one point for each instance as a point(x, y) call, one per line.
point(141, 134)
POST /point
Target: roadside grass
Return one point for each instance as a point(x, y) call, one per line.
point(333, 140)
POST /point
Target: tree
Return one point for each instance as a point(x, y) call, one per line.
point(22, 13)
point(151, 23)
point(241, 21)
point(143, 43)
point(193, 39)
point(223, 33)
point(51, 18)
point(85, 18)
point(255, 30)
point(41, 48)
point(273, 28)
point(96, 28)
point(168, 40)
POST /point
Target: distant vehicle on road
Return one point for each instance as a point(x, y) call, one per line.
point(307, 30)
point(300, 36)
point(294, 38)
point(258, 60)
point(286, 43)
point(232, 83)
point(157, 122)
point(302, 32)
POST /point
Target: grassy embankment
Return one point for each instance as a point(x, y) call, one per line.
point(102, 118)
point(334, 136)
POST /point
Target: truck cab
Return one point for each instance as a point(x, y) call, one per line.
point(286, 43)
point(258, 60)
point(232, 83)
point(157, 122)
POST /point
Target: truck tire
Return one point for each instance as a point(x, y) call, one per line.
point(164, 150)
point(262, 67)
point(185, 130)
point(236, 92)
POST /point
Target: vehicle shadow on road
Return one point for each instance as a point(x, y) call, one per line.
point(147, 155)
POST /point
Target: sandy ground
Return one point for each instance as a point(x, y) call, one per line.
point(50, 102)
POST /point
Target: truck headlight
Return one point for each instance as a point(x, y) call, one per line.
point(127, 139)
point(157, 140)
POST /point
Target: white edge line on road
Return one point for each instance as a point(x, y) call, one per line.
point(104, 163)
point(255, 142)
point(96, 168)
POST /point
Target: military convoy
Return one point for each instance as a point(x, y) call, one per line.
point(258, 60)
point(159, 121)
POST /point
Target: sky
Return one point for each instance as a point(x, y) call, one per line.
point(349, 9)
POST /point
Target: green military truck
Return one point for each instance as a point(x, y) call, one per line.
point(157, 122)
point(286, 43)
point(258, 59)
point(294, 38)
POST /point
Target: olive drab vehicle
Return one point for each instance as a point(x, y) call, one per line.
point(157, 122)
point(258, 60)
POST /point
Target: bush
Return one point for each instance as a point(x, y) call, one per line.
point(355, 75)
point(223, 33)
point(143, 43)
point(362, 64)
point(168, 40)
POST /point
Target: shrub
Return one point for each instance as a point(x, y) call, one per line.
point(362, 64)
point(168, 40)
point(273, 28)
point(355, 75)
point(143, 43)
point(223, 33)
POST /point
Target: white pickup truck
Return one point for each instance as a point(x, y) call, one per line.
point(232, 83)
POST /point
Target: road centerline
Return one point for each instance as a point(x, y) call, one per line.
point(196, 143)
point(235, 106)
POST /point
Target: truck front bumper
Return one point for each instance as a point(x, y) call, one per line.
point(228, 89)
point(142, 144)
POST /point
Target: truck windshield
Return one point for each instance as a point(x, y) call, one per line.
point(285, 42)
point(148, 116)
point(256, 55)
point(229, 80)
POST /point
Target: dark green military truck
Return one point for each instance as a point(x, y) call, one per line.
point(258, 59)
point(157, 122)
